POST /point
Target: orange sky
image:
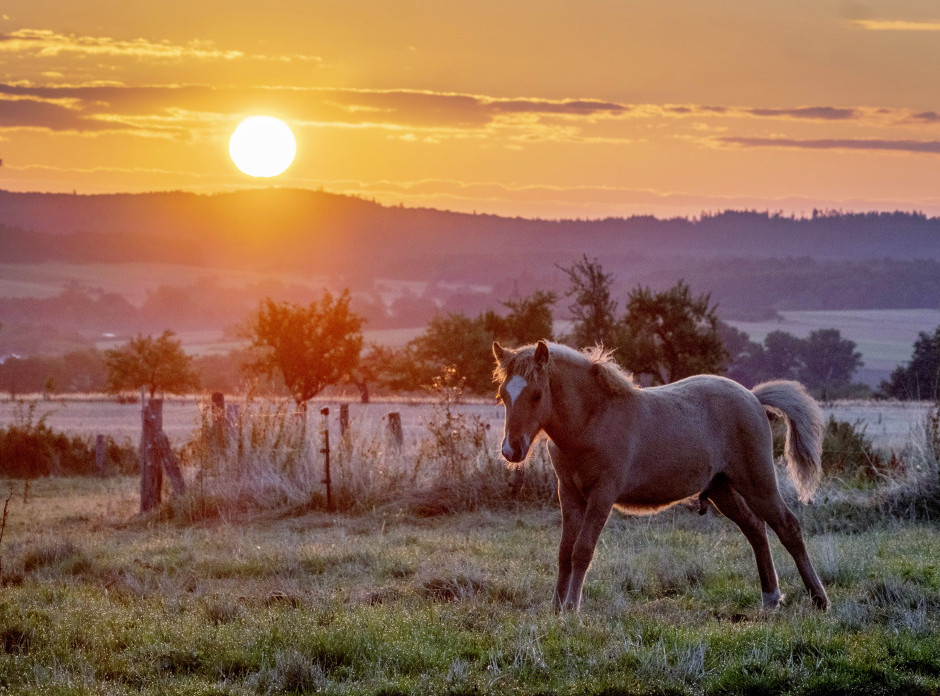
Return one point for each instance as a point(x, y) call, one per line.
point(546, 108)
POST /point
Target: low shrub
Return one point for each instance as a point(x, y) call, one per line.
point(29, 448)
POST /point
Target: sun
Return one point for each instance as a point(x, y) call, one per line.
point(262, 146)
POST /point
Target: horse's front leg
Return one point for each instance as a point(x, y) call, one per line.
point(595, 517)
point(572, 516)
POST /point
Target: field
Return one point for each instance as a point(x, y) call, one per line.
point(387, 600)
point(888, 423)
point(884, 337)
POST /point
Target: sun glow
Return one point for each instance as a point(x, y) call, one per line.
point(262, 146)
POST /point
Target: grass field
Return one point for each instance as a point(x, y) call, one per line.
point(97, 600)
point(394, 597)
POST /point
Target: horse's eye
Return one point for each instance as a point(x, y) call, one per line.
point(536, 396)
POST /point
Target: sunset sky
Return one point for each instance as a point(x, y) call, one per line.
point(544, 109)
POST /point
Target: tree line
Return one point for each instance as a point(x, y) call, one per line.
point(300, 349)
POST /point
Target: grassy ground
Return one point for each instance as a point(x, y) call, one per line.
point(97, 600)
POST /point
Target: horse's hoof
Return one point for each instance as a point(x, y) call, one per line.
point(821, 602)
point(772, 600)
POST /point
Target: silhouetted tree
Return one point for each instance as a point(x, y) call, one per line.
point(829, 361)
point(920, 378)
point(457, 341)
point(155, 364)
point(310, 347)
point(529, 319)
point(670, 335)
point(593, 309)
point(783, 355)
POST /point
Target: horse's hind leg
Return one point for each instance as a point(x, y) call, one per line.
point(732, 506)
point(775, 512)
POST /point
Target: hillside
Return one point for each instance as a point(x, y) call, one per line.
point(74, 266)
point(317, 232)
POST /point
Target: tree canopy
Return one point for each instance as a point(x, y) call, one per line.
point(920, 378)
point(670, 335)
point(310, 347)
point(593, 309)
point(155, 364)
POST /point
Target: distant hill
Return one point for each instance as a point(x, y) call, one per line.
point(746, 259)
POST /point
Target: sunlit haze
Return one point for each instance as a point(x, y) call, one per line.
point(539, 109)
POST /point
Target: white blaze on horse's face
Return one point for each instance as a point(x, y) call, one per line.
point(525, 402)
point(514, 387)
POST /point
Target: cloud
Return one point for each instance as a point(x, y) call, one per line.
point(919, 146)
point(44, 43)
point(816, 113)
point(894, 25)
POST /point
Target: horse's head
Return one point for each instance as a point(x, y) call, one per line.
point(524, 393)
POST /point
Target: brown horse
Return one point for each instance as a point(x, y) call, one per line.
point(614, 444)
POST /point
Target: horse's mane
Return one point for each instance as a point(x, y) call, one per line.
point(598, 360)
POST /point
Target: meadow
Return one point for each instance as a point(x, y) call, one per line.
point(431, 577)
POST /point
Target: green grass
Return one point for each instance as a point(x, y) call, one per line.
point(99, 601)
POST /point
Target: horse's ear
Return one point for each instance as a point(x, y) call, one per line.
point(499, 352)
point(541, 354)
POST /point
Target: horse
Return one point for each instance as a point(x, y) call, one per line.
point(614, 444)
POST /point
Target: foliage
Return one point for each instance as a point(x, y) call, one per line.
point(593, 309)
point(29, 448)
point(670, 335)
point(310, 347)
point(824, 361)
point(529, 319)
point(463, 343)
point(456, 437)
point(157, 365)
point(75, 371)
point(920, 378)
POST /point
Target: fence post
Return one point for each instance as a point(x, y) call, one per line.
point(325, 414)
point(101, 454)
point(343, 421)
point(394, 429)
point(151, 473)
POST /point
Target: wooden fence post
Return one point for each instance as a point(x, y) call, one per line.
point(343, 421)
point(151, 474)
point(394, 429)
point(325, 413)
point(101, 454)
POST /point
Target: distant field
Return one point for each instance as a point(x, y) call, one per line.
point(890, 424)
point(885, 337)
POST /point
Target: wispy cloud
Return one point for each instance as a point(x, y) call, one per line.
point(816, 113)
point(894, 25)
point(44, 43)
point(921, 146)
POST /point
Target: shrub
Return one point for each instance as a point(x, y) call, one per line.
point(29, 448)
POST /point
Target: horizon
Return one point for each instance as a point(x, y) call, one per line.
point(692, 218)
point(542, 112)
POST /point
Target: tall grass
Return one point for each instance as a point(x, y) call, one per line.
point(269, 458)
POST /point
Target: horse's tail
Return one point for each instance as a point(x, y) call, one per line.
point(803, 447)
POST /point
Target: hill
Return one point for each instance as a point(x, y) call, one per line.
point(117, 264)
point(322, 233)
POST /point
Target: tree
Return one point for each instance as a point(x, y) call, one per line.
point(920, 378)
point(783, 354)
point(529, 319)
point(457, 341)
point(829, 361)
point(671, 335)
point(593, 308)
point(155, 364)
point(310, 346)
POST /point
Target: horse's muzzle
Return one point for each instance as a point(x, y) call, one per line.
point(513, 453)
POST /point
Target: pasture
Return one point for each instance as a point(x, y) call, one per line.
point(383, 600)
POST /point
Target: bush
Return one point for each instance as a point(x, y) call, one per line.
point(30, 448)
